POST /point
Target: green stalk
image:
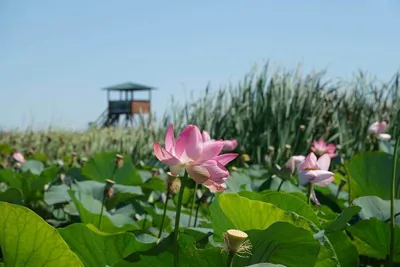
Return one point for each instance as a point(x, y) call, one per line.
point(348, 183)
point(101, 211)
point(177, 218)
point(392, 197)
point(229, 262)
point(280, 185)
point(163, 217)
point(196, 215)
point(105, 198)
point(193, 203)
point(309, 191)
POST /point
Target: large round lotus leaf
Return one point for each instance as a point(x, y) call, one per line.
point(238, 181)
point(375, 207)
point(10, 178)
point(96, 248)
point(281, 243)
point(12, 195)
point(189, 255)
point(34, 166)
point(341, 222)
point(371, 174)
point(345, 250)
point(89, 210)
point(371, 237)
point(231, 211)
point(57, 194)
point(284, 201)
point(101, 167)
point(27, 240)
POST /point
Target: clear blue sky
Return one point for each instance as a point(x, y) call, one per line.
point(56, 55)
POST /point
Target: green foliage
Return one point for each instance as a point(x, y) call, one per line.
point(371, 238)
point(273, 116)
point(27, 240)
point(371, 174)
point(96, 248)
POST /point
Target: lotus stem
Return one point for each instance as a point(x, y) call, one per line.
point(163, 217)
point(193, 203)
point(101, 211)
point(348, 183)
point(103, 202)
point(197, 213)
point(280, 185)
point(309, 191)
point(229, 262)
point(177, 219)
point(392, 197)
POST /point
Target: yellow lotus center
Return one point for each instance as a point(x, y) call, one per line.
point(310, 169)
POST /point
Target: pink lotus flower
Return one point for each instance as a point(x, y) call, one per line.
point(229, 145)
point(18, 157)
point(315, 172)
point(200, 159)
point(287, 170)
point(320, 147)
point(378, 128)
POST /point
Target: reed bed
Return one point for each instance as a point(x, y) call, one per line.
point(272, 114)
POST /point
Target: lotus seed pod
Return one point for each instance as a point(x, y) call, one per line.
point(119, 161)
point(234, 240)
point(109, 183)
point(233, 169)
point(302, 127)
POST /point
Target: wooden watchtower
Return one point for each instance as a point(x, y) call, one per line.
point(125, 104)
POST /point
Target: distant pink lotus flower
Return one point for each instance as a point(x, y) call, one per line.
point(229, 145)
point(320, 147)
point(200, 159)
point(17, 156)
point(378, 128)
point(315, 172)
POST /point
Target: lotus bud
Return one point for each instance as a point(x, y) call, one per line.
point(119, 161)
point(302, 128)
point(173, 183)
point(235, 242)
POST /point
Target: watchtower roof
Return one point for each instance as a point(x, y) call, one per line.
point(129, 86)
